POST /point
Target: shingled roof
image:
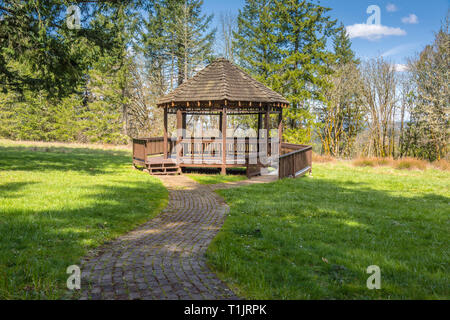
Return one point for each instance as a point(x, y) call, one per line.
point(222, 81)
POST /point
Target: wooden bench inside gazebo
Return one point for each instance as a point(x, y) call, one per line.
point(222, 89)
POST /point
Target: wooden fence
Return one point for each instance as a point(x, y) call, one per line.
point(295, 161)
point(144, 147)
point(213, 147)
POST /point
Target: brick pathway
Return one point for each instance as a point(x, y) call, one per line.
point(164, 258)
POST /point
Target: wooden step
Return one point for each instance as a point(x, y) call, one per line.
point(163, 168)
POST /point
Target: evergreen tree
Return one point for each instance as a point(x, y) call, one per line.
point(38, 50)
point(122, 22)
point(256, 39)
point(154, 46)
point(343, 48)
point(284, 43)
point(48, 114)
point(176, 40)
point(192, 41)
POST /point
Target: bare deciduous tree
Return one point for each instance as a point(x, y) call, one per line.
point(430, 112)
point(342, 116)
point(228, 26)
point(380, 99)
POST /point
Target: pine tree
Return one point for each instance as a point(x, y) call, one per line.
point(39, 51)
point(193, 41)
point(284, 43)
point(154, 46)
point(305, 28)
point(256, 39)
point(176, 40)
point(342, 46)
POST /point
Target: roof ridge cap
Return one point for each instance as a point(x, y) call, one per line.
point(225, 88)
point(180, 89)
point(255, 83)
point(269, 92)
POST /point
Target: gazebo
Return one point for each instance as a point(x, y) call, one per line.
point(222, 89)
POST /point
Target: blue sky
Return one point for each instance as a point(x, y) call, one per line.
point(406, 26)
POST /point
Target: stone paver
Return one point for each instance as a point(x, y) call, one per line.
point(164, 258)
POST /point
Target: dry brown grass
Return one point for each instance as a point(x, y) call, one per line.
point(5, 142)
point(442, 165)
point(410, 164)
point(373, 162)
point(322, 159)
point(401, 164)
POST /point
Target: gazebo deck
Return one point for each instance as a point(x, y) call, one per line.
point(190, 162)
point(294, 160)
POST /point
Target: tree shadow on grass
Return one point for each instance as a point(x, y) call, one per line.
point(10, 189)
point(91, 161)
point(316, 237)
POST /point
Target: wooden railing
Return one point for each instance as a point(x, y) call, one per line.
point(240, 147)
point(144, 147)
point(194, 147)
point(295, 161)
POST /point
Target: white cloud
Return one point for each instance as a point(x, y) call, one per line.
point(400, 67)
point(391, 7)
point(373, 31)
point(411, 19)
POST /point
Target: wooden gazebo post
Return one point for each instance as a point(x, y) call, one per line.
point(267, 127)
point(224, 140)
point(179, 134)
point(165, 134)
point(280, 130)
point(260, 120)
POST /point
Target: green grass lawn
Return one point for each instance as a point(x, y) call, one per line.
point(56, 203)
point(216, 178)
point(313, 238)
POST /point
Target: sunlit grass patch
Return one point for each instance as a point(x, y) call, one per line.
point(313, 238)
point(216, 178)
point(56, 203)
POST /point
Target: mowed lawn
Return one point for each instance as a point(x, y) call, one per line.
point(313, 238)
point(56, 203)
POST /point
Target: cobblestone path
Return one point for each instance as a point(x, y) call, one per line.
point(164, 258)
